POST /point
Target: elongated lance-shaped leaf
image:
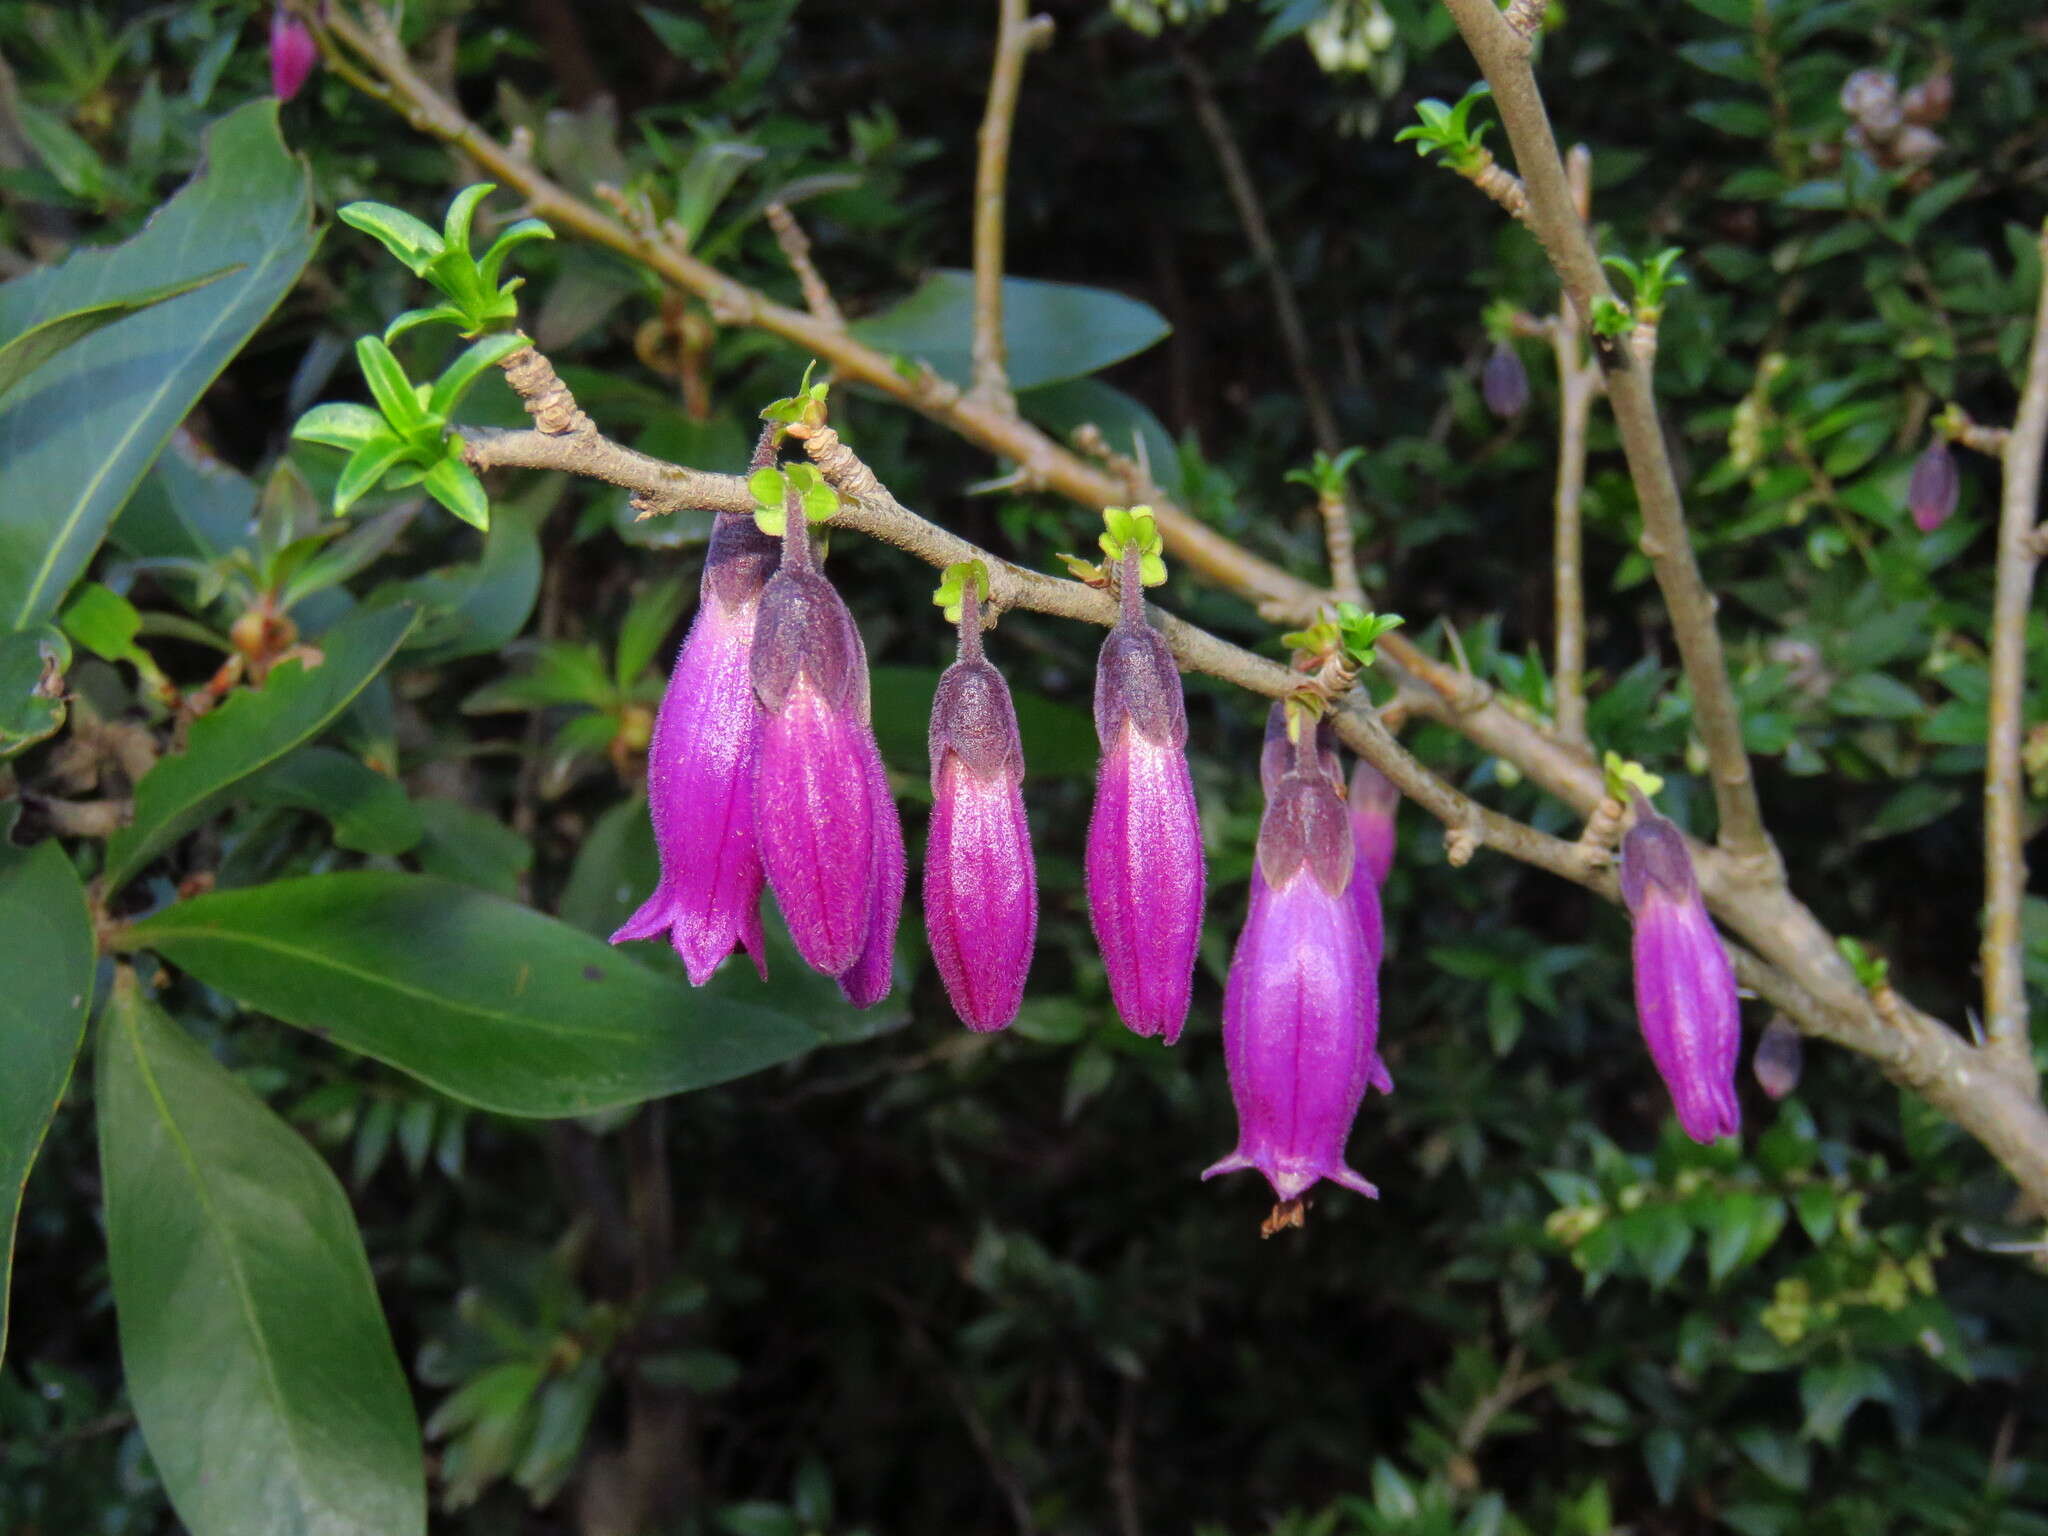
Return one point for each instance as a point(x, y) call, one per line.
point(251, 730)
point(46, 954)
point(491, 1002)
point(79, 432)
point(25, 353)
point(255, 1350)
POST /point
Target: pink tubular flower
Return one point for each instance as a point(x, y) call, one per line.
point(292, 54)
point(1685, 987)
point(1373, 803)
point(1145, 869)
point(980, 888)
point(1935, 488)
point(1301, 1010)
point(831, 845)
point(700, 767)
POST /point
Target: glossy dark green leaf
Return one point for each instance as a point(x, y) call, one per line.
point(189, 506)
point(368, 810)
point(32, 665)
point(250, 731)
point(79, 432)
point(46, 954)
point(490, 1002)
point(25, 353)
point(479, 607)
point(472, 848)
point(1051, 331)
point(255, 1350)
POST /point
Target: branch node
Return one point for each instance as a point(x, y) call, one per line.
point(547, 399)
point(796, 250)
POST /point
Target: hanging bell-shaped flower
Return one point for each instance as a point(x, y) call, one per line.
point(700, 767)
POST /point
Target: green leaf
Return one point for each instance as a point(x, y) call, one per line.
point(647, 624)
point(253, 729)
point(488, 1001)
point(81, 430)
point(255, 1352)
point(375, 458)
point(102, 621)
point(35, 346)
point(411, 241)
point(472, 848)
point(32, 666)
point(1051, 331)
point(478, 607)
point(341, 425)
point(461, 375)
point(455, 485)
point(368, 810)
point(46, 954)
point(461, 212)
point(390, 388)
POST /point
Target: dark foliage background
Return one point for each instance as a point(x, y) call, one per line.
point(922, 1281)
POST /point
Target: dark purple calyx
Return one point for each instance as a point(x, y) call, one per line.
point(805, 632)
point(1654, 854)
point(1136, 680)
point(972, 718)
point(739, 559)
point(1305, 826)
point(1936, 486)
point(1504, 382)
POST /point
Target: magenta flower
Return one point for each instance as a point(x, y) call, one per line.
point(980, 888)
point(826, 825)
point(700, 768)
point(1145, 870)
point(1301, 1010)
point(292, 54)
point(1373, 803)
point(1504, 382)
point(1685, 987)
point(1936, 486)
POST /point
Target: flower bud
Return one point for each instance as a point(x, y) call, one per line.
point(700, 765)
point(819, 793)
point(1504, 382)
point(1936, 486)
point(1145, 869)
point(292, 54)
point(1374, 802)
point(867, 983)
point(1685, 987)
point(1301, 1009)
point(1779, 1054)
point(980, 888)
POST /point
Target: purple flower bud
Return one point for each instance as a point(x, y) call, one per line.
point(1145, 870)
point(1936, 486)
point(1685, 987)
point(980, 889)
point(818, 787)
point(700, 767)
point(1779, 1054)
point(1301, 1010)
point(1373, 803)
point(292, 54)
point(1504, 382)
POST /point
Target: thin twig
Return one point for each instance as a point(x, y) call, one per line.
point(1251, 213)
point(796, 250)
point(1503, 56)
point(1016, 35)
point(2005, 863)
point(1578, 380)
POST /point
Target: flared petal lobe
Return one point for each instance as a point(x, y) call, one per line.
point(1145, 867)
point(980, 886)
point(1685, 987)
point(815, 790)
point(700, 766)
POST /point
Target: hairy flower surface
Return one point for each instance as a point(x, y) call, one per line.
point(1145, 869)
point(1301, 1009)
point(980, 887)
point(292, 54)
point(700, 766)
point(1685, 987)
point(823, 817)
point(1373, 803)
point(867, 983)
